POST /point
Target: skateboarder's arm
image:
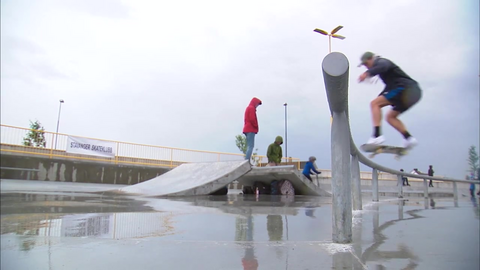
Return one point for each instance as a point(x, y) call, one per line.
point(309, 166)
point(381, 65)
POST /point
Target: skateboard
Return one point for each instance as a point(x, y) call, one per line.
point(387, 149)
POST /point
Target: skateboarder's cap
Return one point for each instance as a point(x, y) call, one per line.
point(365, 57)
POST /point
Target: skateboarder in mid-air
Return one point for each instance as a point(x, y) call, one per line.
point(401, 92)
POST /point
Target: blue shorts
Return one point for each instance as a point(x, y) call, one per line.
point(403, 98)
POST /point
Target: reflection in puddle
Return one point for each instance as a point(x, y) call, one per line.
point(248, 231)
point(105, 225)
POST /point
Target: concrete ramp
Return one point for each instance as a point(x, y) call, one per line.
point(266, 175)
point(191, 179)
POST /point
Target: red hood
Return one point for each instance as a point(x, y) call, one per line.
point(255, 101)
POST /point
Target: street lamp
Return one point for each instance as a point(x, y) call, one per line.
point(286, 139)
point(330, 35)
point(58, 121)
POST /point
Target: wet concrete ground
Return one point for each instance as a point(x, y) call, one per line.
point(51, 227)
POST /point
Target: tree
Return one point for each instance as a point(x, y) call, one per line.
point(241, 142)
point(473, 161)
point(36, 136)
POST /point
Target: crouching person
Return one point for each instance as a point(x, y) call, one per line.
point(274, 152)
point(309, 168)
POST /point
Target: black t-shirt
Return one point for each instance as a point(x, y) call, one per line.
point(391, 74)
point(430, 172)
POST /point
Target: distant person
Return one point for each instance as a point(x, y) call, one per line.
point(472, 185)
point(250, 127)
point(401, 92)
point(430, 173)
point(274, 152)
point(307, 170)
point(405, 179)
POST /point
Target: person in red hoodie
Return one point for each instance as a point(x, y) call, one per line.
point(250, 127)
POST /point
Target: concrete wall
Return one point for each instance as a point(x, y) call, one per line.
point(68, 170)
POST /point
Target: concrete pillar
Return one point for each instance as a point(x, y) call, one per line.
point(375, 185)
point(335, 68)
point(356, 181)
point(341, 180)
point(400, 186)
point(425, 188)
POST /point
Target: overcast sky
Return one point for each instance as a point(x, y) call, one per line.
point(180, 73)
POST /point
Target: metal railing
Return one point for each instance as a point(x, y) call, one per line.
point(11, 141)
point(346, 157)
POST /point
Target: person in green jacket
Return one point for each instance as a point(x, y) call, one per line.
point(274, 152)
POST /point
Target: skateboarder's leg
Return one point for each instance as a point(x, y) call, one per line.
point(402, 101)
point(376, 107)
point(392, 119)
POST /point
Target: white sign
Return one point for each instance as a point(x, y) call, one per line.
point(92, 147)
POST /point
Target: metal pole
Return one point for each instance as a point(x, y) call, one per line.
point(329, 43)
point(376, 217)
point(286, 138)
point(400, 186)
point(357, 190)
point(375, 185)
point(425, 188)
point(400, 209)
point(58, 122)
point(455, 194)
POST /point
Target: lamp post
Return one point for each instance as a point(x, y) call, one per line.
point(286, 138)
point(58, 121)
point(330, 35)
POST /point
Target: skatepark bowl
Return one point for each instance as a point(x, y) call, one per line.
point(80, 228)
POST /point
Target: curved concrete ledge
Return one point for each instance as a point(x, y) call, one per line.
point(266, 175)
point(190, 179)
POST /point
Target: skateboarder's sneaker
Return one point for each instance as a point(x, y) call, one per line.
point(410, 142)
point(376, 141)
